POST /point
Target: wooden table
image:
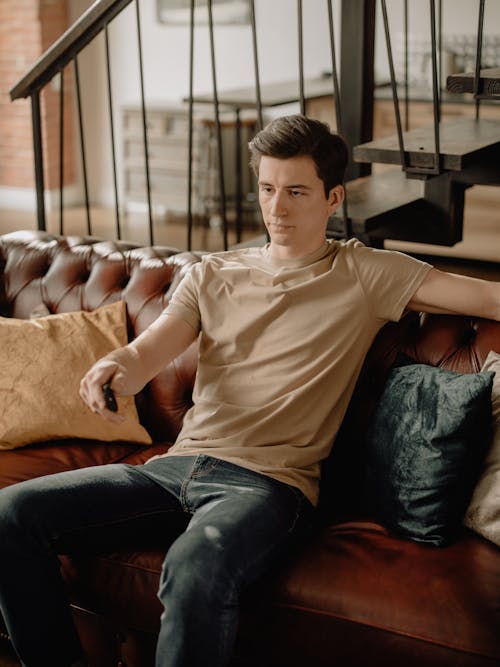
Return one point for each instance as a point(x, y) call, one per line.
point(272, 94)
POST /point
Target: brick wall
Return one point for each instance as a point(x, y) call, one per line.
point(27, 29)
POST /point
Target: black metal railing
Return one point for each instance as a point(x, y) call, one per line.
point(436, 33)
point(51, 64)
point(64, 53)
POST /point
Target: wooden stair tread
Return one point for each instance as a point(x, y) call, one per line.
point(489, 82)
point(462, 142)
point(391, 205)
point(371, 196)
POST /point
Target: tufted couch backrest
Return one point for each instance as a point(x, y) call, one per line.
point(75, 273)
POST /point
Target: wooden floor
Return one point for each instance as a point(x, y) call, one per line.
point(170, 231)
point(481, 230)
point(477, 254)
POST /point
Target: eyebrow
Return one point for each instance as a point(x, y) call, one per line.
point(292, 186)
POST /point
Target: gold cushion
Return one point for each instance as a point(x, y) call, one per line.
point(41, 364)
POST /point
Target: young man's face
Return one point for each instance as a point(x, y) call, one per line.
point(294, 206)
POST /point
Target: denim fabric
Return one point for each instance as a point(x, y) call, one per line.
point(239, 523)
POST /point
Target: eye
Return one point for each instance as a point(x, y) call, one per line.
point(267, 189)
point(296, 193)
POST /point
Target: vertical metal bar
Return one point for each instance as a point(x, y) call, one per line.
point(335, 79)
point(357, 39)
point(435, 88)
point(144, 123)
point(338, 115)
point(61, 150)
point(82, 144)
point(479, 50)
point(439, 54)
point(190, 129)
point(397, 115)
point(260, 120)
point(112, 129)
point(36, 121)
point(301, 58)
point(222, 188)
point(239, 193)
point(407, 89)
point(256, 65)
point(440, 49)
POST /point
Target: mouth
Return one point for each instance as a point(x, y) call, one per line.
point(280, 227)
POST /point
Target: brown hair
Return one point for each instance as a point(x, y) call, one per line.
point(296, 135)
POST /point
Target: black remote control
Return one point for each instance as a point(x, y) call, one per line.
point(109, 397)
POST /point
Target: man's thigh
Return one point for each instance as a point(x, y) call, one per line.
point(241, 519)
point(92, 508)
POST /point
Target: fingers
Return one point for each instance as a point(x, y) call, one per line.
point(111, 416)
point(91, 388)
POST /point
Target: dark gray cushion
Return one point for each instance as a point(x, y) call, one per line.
point(424, 448)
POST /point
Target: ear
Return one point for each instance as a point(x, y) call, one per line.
point(335, 198)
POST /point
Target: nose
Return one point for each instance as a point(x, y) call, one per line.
point(278, 205)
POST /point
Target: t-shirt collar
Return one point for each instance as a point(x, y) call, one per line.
point(296, 262)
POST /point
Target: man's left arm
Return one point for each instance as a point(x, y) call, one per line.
point(450, 293)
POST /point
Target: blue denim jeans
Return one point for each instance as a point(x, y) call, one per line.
point(240, 522)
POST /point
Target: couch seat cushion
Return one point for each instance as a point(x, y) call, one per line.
point(353, 573)
point(46, 458)
point(360, 573)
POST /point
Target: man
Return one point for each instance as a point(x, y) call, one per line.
point(283, 331)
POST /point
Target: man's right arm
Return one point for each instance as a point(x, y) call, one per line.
point(129, 368)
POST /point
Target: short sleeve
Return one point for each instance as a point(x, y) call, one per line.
point(185, 300)
point(388, 278)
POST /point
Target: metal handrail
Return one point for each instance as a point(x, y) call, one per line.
point(64, 51)
point(67, 46)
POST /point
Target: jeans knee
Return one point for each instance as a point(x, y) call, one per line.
point(195, 569)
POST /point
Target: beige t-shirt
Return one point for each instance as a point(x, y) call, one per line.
point(282, 343)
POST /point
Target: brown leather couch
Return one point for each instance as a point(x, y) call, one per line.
point(354, 595)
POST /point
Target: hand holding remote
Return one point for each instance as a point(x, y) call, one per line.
point(105, 380)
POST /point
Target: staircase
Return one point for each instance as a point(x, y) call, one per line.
point(392, 206)
point(423, 200)
point(412, 203)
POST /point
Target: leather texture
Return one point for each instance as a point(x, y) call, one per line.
point(355, 595)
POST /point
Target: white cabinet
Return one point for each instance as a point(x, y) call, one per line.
point(168, 136)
